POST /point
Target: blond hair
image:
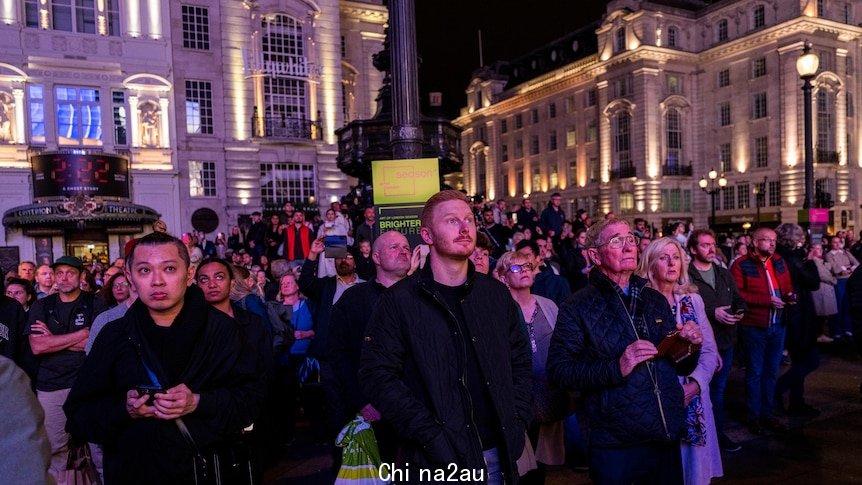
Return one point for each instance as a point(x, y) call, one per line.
point(649, 259)
point(507, 259)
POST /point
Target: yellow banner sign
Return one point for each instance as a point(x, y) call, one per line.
point(404, 181)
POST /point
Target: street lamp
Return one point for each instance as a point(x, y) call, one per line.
point(806, 66)
point(759, 194)
point(712, 184)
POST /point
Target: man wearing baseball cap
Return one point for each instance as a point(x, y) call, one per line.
point(59, 326)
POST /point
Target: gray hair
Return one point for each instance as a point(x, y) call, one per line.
point(789, 234)
point(594, 233)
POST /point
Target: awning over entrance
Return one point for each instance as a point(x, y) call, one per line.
point(80, 212)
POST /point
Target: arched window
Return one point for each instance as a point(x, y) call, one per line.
point(671, 37)
point(825, 123)
point(284, 59)
point(673, 135)
point(620, 40)
point(622, 140)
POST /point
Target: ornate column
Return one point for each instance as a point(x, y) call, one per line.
point(164, 123)
point(134, 121)
point(20, 107)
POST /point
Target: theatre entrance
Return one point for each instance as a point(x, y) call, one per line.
point(89, 245)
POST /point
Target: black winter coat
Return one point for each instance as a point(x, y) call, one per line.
point(801, 318)
point(409, 371)
point(592, 332)
point(725, 293)
point(150, 450)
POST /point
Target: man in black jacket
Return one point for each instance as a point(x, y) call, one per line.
point(604, 345)
point(391, 255)
point(724, 307)
point(446, 359)
point(187, 352)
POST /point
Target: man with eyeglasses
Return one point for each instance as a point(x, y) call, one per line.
point(604, 345)
point(724, 307)
point(764, 282)
point(446, 359)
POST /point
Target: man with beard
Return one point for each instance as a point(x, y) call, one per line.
point(325, 292)
point(367, 231)
point(763, 279)
point(446, 359)
point(498, 234)
point(170, 356)
point(297, 238)
point(391, 256)
point(724, 307)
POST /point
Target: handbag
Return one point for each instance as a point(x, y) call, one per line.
point(676, 347)
point(80, 468)
point(229, 465)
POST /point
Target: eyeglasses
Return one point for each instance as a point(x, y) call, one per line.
point(765, 239)
point(517, 268)
point(618, 242)
point(120, 286)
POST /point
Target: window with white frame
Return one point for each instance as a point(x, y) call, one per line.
point(627, 202)
point(36, 94)
point(725, 157)
point(729, 202)
point(571, 136)
point(196, 27)
point(622, 140)
point(761, 152)
point(536, 186)
point(282, 43)
point(554, 176)
point(199, 107)
point(743, 192)
point(74, 16)
point(673, 83)
point(825, 121)
point(673, 131)
point(759, 15)
point(79, 116)
point(758, 106)
point(202, 179)
point(286, 181)
point(775, 193)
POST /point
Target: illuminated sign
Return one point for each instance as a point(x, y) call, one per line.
point(66, 174)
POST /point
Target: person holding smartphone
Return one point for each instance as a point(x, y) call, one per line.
point(724, 307)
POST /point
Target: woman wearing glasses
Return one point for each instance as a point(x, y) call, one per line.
point(664, 264)
point(115, 291)
point(550, 406)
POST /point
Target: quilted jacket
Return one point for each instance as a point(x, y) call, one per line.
point(593, 330)
point(409, 371)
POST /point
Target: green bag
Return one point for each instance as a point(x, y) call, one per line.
point(360, 462)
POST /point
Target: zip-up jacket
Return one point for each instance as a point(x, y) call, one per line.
point(749, 273)
point(409, 371)
point(724, 293)
point(593, 330)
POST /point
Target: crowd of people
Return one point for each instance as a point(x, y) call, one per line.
point(510, 341)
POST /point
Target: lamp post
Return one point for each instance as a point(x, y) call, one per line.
point(806, 66)
point(712, 184)
point(759, 194)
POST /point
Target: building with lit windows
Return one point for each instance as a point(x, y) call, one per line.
point(114, 114)
point(627, 115)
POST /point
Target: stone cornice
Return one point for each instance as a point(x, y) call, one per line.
point(373, 14)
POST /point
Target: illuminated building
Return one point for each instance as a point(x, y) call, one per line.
point(629, 113)
point(221, 108)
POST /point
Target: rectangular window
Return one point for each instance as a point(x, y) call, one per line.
point(31, 13)
point(724, 114)
point(552, 141)
point(519, 149)
point(481, 134)
point(534, 116)
point(519, 121)
point(536, 186)
point(848, 101)
point(37, 113)
point(743, 193)
point(78, 16)
point(284, 181)
point(594, 169)
point(675, 200)
point(343, 47)
point(571, 136)
point(79, 116)
point(554, 177)
point(112, 14)
point(775, 194)
point(674, 84)
point(573, 173)
point(552, 110)
point(202, 179)
point(729, 198)
point(848, 66)
point(504, 152)
point(118, 99)
point(519, 183)
point(722, 30)
point(627, 202)
point(504, 126)
point(759, 16)
point(761, 152)
point(592, 97)
point(724, 78)
point(570, 104)
point(725, 158)
point(534, 145)
point(506, 182)
point(821, 8)
point(592, 130)
point(196, 28)
point(758, 67)
point(623, 87)
point(199, 107)
point(848, 13)
point(758, 106)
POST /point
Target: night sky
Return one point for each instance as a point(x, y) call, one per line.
point(448, 45)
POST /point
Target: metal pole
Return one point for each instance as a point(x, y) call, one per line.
point(757, 201)
point(712, 194)
point(406, 134)
point(809, 148)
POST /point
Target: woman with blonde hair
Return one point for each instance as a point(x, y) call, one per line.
point(550, 406)
point(665, 265)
